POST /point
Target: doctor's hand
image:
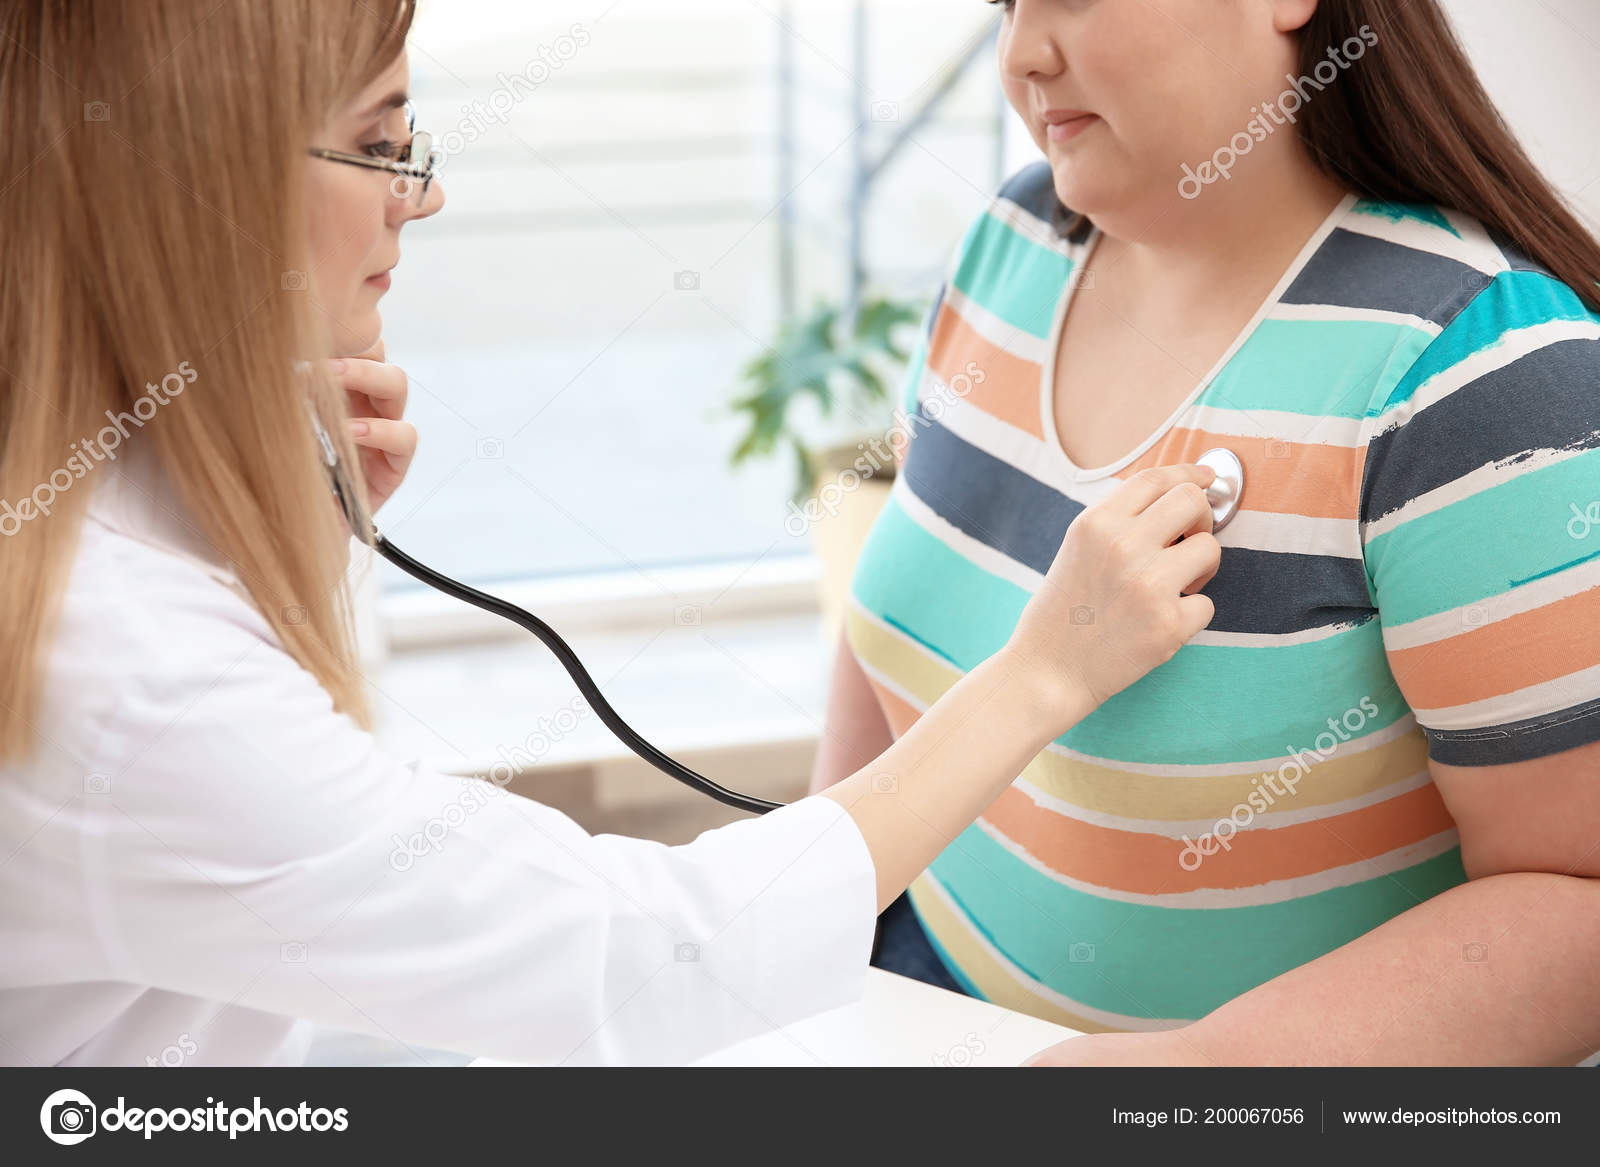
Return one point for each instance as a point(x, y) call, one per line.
point(376, 393)
point(1117, 601)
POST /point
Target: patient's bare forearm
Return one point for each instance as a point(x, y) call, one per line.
point(957, 759)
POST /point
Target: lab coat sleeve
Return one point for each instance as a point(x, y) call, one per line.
point(257, 848)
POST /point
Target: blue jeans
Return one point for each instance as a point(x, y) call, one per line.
point(902, 947)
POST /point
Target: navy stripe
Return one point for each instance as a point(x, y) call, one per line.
point(1547, 400)
point(1263, 592)
point(1516, 258)
point(1351, 270)
point(1517, 741)
point(1033, 188)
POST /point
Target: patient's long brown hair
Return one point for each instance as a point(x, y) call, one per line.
point(152, 221)
point(1410, 123)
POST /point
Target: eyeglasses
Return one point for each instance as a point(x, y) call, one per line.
point(412, 162)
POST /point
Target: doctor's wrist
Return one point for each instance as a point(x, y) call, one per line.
point(1052, 699)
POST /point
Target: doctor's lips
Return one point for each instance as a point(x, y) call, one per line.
point(1062, 125)
point(381, 279)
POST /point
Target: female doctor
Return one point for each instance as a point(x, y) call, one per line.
point(196, 828)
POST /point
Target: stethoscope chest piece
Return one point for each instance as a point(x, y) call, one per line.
point(1227, 488)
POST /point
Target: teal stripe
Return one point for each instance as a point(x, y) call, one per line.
point(1527, 518)
point(1164, 962)
point(1013, 277)
point(1208, 704)
point(1332, 368)
point(1513, 299)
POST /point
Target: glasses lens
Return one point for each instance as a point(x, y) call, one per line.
point(420, 152)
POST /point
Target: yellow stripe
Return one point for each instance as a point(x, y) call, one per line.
point(1104, 788)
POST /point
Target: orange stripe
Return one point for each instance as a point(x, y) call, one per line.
point(899, 713)
point(1010, 386)
point(1291, 478)
point(1529, 648)
point(1149, 864)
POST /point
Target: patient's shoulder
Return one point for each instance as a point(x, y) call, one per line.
point(1033, 189)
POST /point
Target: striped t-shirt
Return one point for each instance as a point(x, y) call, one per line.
point(1414, 571)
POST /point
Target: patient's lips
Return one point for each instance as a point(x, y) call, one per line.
point(1062, 125)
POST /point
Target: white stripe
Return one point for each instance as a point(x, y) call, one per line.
point(1343, 313)
point(1000, 333)
point(1038, 989)
point(1532, 701)
point(1291, 534)
point(1207, 638)
point(1473, 482)
point(1475, 251)
point(1016, 448)
point(1267, 424)
point(1534, 594)
point(1029, 226)
point(1275, 892)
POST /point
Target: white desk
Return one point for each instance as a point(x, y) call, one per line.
point(897, 1022)
point(900, 1022)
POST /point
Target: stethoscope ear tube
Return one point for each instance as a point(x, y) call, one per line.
point(580, 676)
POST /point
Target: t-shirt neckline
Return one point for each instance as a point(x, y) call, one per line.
point(1057, 453)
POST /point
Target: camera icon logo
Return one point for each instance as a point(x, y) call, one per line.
point(490, 449)
point(1474, 615)
point(1081, 953)
point(1475, 953)
point(293, 281)
point(294, 614)
point(687, 615)
point(686, 953)
point(1277, 450)
point(885, 784)
point(885, 111)
point(1082, 614)
point(67, 1117)
point(292, 952)
point(686, 281)
point(96, 111)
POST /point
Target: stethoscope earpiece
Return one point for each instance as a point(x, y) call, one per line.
point(1228, 486)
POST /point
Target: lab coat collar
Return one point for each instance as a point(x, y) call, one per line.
point(134, 496)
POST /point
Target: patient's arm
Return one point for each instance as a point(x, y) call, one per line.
point(854, 731)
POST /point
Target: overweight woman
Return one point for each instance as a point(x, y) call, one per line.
point(1357, 818)
point(203, 207)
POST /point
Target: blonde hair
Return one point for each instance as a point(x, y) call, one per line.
point(155, 218)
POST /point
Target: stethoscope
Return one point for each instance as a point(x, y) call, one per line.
point(1223, 495)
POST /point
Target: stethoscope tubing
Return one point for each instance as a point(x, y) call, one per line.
point(563, 652)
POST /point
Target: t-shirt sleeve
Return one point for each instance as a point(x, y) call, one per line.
point(1480, 521)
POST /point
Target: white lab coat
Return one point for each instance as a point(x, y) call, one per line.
point(201, 865)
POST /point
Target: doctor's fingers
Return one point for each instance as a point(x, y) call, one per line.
point(396, 439)
point(1136, 495)
point(1183, 510)
point(1187, 566)
point(384, 387)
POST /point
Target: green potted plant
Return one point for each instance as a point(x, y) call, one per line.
point(843, 368)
